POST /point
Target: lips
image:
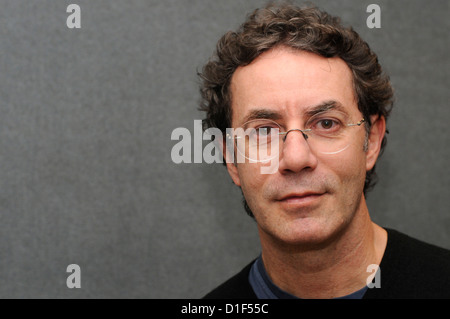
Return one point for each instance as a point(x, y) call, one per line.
point(300, 196)
point(297, 202)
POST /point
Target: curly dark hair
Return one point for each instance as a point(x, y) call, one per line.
point(303, 28)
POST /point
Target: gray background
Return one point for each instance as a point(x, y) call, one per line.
point(86, 118)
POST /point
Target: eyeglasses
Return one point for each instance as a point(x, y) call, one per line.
point(262, 139)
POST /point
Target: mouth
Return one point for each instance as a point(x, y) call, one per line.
point(300, 199)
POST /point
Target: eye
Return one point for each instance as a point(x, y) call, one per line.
point(326, 124)
point(264, 131)
point(261, 130)
point(264, 134)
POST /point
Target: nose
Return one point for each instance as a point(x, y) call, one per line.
point(296, 154)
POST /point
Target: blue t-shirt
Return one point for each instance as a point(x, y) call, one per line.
point(264, 288)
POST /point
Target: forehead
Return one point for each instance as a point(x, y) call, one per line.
point(289, 82)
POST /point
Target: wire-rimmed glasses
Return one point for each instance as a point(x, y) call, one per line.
point(261, 140)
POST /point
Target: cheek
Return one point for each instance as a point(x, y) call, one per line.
point(252, 183)
point(352, 162)
point(348, 169)
point(251, 179)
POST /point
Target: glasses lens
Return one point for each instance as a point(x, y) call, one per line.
point(257, 141)
point(329, 132)
point(261, 141)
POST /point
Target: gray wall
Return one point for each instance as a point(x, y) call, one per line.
point(86, 175)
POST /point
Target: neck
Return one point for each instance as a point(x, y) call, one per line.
point(331, 269)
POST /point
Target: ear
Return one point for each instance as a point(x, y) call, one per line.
point(233, 171)
point(376, 136)
point(228, 156)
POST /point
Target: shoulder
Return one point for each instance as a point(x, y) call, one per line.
point(237, 287)
point(411, 268)
point(416, 253)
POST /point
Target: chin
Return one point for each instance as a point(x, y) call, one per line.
point(305, 232)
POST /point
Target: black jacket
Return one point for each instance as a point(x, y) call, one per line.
point(409, 269)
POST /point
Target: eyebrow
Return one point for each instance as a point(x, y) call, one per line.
point(311, 111)
point(262, 114)
point(324, 107)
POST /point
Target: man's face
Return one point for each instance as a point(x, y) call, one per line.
point(312, 195)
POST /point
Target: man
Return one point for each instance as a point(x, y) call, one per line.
point(295, 79)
